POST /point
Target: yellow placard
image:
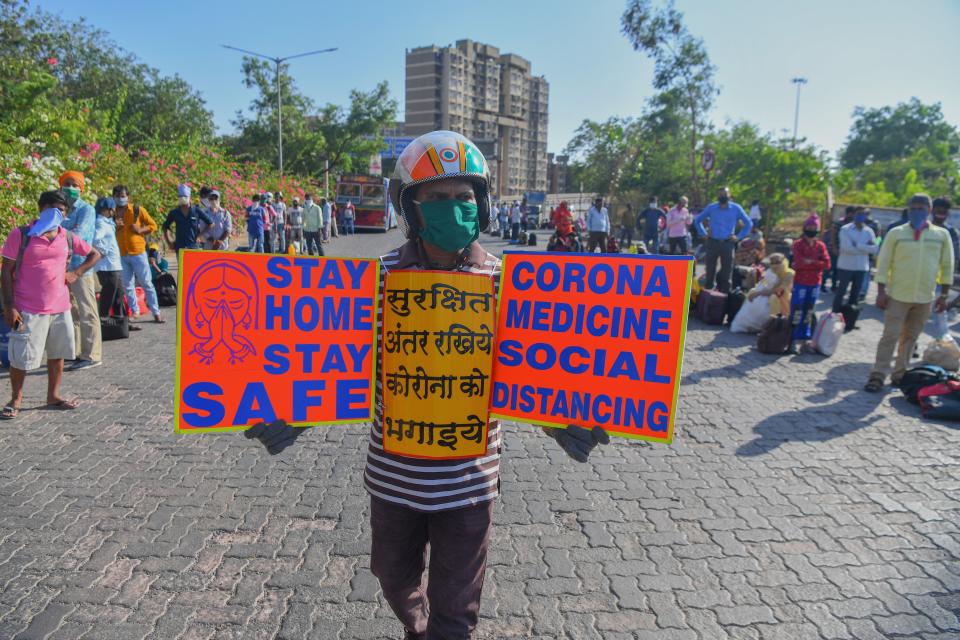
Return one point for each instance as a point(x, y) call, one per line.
point(437, 362)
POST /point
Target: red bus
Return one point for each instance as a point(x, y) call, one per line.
point(370, 199)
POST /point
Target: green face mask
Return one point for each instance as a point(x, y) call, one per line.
point(451, 225)
point(72, 192)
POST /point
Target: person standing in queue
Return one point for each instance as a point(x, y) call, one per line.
point(415, 502)
point(598, 226)
point(134, 225)
point(811, 259)
point(36, 298)
point(187, 219)
point(723, 216)
point(82, 221)
point(914, 258)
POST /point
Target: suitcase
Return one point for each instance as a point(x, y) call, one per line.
point(531, 240)
point(114, 328)
point(850, 314)
point(711, 306)
point(735, 300)
point(774, 338)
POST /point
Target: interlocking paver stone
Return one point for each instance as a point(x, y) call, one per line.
point(791, 505)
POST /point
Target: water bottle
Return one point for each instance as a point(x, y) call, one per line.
point(4, 343)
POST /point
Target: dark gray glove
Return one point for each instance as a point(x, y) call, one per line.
point(276, 436)
point(578, 442)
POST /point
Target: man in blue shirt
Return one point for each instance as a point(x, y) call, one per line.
point(187, 217)
point(722, 238)
point(82, 221)
point(649, 219)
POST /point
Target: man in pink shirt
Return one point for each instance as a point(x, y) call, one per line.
point(678, 219)
point(36, 298)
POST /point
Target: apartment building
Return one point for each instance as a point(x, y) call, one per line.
point(488, 96)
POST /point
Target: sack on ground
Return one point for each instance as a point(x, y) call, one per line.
point(752, 315)
point(166, 286)
point(775, 335)
point(826, 335)
point(943, 353)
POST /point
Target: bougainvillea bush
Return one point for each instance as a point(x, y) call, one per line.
point(152, 175)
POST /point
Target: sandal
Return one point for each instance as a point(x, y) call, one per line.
point(873, 385)
point(62, 405)
point(9, 412)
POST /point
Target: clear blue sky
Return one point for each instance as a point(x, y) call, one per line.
point(854, 52)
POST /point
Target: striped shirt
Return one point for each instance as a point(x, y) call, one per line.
point(431, 485)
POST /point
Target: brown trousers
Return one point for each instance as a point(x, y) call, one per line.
point(902, 325)
point(458, 540)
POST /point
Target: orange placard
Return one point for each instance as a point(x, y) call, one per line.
point(437, 361)
point(262, 337)
point(587, 339)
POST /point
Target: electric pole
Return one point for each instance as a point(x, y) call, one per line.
point(278, 62)
point(796, 114)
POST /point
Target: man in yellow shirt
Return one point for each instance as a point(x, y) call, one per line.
point(133, 224)
point(913, 259)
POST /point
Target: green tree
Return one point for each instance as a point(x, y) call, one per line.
point(757, 167)
point(896, 132)
point(130, 102)
point(330, 138)
point(682, 68)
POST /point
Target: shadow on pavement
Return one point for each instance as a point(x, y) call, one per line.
point(820, 423)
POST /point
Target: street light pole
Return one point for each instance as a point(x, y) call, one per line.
point(796, 114)
point(278, 61)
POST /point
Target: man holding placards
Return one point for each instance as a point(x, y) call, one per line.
point(433, 465)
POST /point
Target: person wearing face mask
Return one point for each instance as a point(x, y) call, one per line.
point(36, 300)
point(940, 213)
point(205, 197)
point(857, 244)
point(810, 259)
point(914, 258)
point(109, 269)
point(188, 220)
point(312, 226)
point(770, 297)
point(82, 221)
point(443, 204)
point(723, 216)
point(295, 225)
point(565, 238)
point(217, 235)
point(134, 224)
point(280, 223)
point(650, 220)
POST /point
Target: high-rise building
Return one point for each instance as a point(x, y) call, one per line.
point(491, 98)
point(558, 174)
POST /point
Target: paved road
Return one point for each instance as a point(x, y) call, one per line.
point(792, 505)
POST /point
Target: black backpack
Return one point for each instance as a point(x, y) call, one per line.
point(850, 314)
point(735, 300)
point(166, 286)
point(923, 376)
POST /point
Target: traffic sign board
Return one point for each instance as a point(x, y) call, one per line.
point(708, 159)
